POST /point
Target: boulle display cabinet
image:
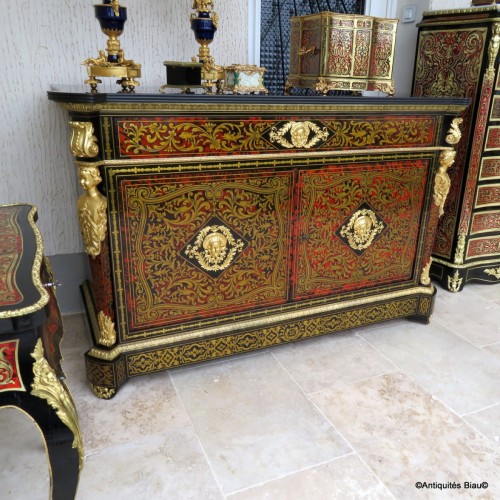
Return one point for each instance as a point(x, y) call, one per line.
point(221, 224)
point(330, 51)
point(31, 378)
point(457, 55)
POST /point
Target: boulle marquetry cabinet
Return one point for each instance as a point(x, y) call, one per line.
point(220, 224)
point(31, 378)
point(457, 55)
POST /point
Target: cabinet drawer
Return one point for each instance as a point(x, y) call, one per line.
point(492, 138)
point(495, 108)
point(488, 196)
point(483, 247)
point(484, 222)
point(490, 168)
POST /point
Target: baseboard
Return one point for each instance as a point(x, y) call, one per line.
point(71, 270)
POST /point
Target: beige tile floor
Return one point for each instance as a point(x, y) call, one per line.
point(363, 414)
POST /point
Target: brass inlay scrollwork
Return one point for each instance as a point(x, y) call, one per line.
point(83, 142)
point(47, 386)
point(361, 229)
point(107, 333)
point(454, 282)
point(302, 135)
point(214, 248)
point(493, 272)
point(442, 182)
point(91, 207)
point(6, 370)
point(256, 107)
point(149, 137)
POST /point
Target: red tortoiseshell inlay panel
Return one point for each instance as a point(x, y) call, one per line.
point(493, 138)
point(326, 263)
point(11, 250)
point(10, 377)
point(488, 195)
point(167, 136)
point(490, 168)
point(310, 37)
point(165, 281)
point(481, 247)
point(102, 286)
point(485, 221)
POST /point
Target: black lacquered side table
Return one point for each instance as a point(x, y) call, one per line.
point(31, 378)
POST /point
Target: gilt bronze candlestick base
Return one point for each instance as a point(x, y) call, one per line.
point(204, 25)
point(111, 62)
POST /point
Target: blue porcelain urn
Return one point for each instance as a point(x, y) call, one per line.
point(111, 17)
point(204, 26)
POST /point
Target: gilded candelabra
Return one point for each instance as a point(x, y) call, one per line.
point(111, 62)
point(204, 25)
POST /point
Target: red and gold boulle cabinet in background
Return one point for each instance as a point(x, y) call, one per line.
point(457, 55)
point(223, 224)
point(31, 378)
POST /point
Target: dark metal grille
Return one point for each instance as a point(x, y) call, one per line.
point(275, 33)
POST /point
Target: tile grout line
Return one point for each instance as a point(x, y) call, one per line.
point(209, 463)
point(318, 409)
point(290, 474)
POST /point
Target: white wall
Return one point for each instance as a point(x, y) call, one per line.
point(406, 42)
point(44, 42)
point(449, 4)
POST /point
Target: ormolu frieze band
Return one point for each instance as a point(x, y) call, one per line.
point(165, 137)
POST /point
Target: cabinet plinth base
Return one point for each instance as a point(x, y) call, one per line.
point(453, 277)
point(108, 369)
